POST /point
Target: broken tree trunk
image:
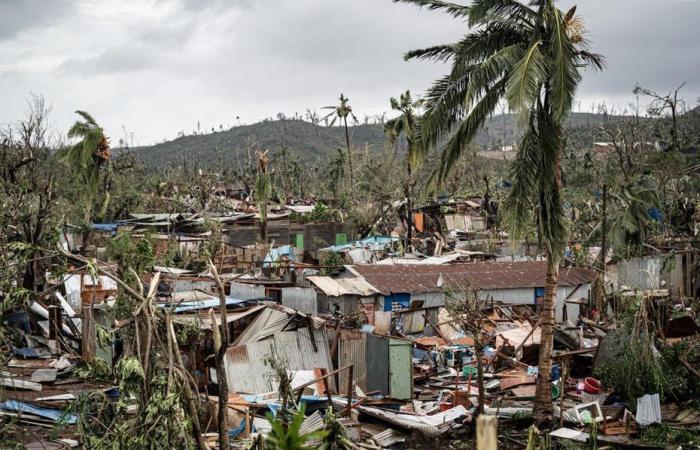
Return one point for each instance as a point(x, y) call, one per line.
point(220, 348)
point(190, 399)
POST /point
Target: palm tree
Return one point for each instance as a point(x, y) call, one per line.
point(341, 112)
point(407, 124)
point(87, 157)
point(530, 54)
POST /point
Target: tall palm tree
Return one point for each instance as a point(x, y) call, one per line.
point(407, 124)
point(88, 156)
point(530, 54)
point(341, 112)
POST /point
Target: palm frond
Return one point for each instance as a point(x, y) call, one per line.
point(444, 107)
point(487, 11)
point(454, 9)
point(593, 60)
point(522, 198)
point(484, 42)
point(437, 53)
point(550, 213)
point(565, 73)
point(464, 134)
point(491, 70)
point(525, 81)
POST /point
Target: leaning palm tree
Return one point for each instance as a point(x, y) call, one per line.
point(341, 112)
point(88, 156)
point(407, 124)
point(530, 54)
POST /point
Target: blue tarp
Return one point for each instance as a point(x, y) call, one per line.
point(106, 227)
point(27, 352)
point(308, 399)
point(47, 413)
point(276, 254)
point(402, 299)
point(376, 243)
point(203, 304)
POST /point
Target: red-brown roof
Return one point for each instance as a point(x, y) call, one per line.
point(419, 278)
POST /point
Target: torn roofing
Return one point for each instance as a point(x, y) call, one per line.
point(335, 287)
point(419, 278)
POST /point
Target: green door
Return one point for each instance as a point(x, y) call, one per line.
point(400, 370)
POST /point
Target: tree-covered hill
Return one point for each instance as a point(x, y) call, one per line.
point(312, 142)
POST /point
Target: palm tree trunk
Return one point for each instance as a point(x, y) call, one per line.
point(543, 392)
point(263, 222)
point(347, 141)
point(409, 208)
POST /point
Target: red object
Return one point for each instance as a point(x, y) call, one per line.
point(591, 385)
point(444, 406)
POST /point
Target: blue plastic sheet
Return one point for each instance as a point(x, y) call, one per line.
point(47, 413)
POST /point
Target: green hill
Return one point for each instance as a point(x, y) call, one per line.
point(314, 142)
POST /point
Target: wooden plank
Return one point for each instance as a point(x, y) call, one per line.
point(486, 437)
point(20, 384)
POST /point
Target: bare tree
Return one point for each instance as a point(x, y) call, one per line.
point(660, 104)
point(466, 309)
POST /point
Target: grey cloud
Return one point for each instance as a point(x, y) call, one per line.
point(17, 16)
point(125, 59)
point(223, 58)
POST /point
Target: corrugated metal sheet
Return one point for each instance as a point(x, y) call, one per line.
point(312, 423)
point(419, 278)
point(648, 409)
point(413, 321)
point(247, 291)
point(300, 299)
point(269, 322)
point(335, 287)
point(352, 350)
point(377, 364)
point(246, 370)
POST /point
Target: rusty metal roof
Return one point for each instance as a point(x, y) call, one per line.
point(419, 278)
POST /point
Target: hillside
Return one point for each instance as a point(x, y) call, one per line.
point(314, 142)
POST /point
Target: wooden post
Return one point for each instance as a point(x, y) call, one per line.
point(562, 389)
point(349, 388)
point(486, 436)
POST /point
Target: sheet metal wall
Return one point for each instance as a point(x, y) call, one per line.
point(352, 350)
point(246, 370)
point(246, 291)
point(301, 299)
point(377, 364)
point(347, 304)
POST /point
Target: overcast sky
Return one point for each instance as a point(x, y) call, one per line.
point(159, 66)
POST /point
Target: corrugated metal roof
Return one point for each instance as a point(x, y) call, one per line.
point(335, 287)
point(419, 278)
point(269, 322)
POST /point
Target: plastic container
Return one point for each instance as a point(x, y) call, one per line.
point(555, 392)
point(466, 370)
point(556, 372)
point(591, 386)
